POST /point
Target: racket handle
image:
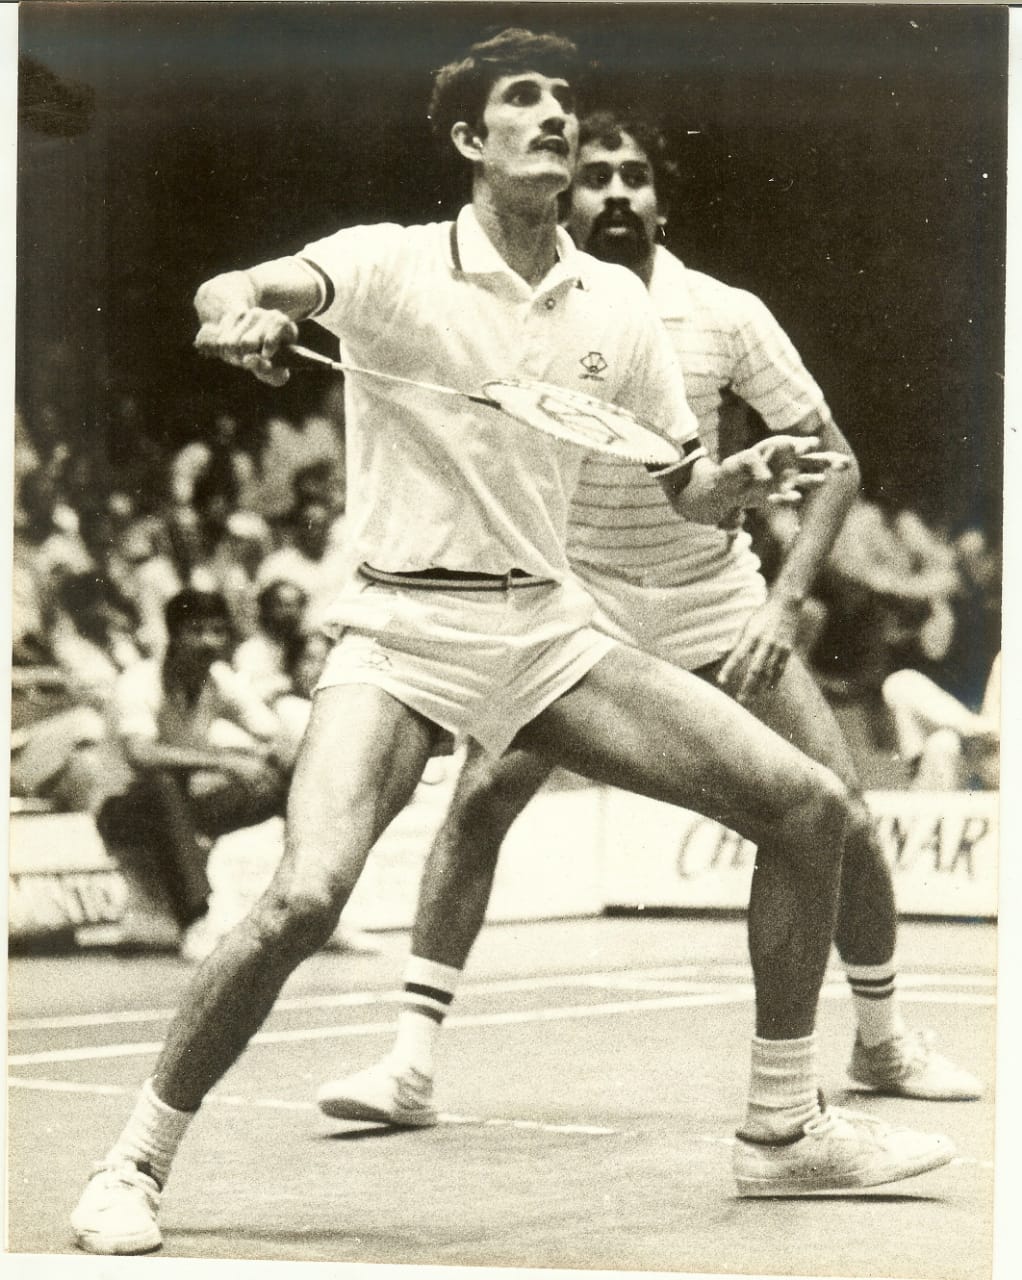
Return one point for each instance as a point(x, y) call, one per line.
point(298, 357)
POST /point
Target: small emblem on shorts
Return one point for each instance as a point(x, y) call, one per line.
point(594, 365)
point(376, 659)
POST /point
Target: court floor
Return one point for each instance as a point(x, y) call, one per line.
point(591, 1077)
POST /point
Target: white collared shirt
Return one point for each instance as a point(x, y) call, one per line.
point(437, 480)
point(729, 346)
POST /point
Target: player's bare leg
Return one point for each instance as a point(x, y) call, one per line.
point(458, 876)
point(454, 890)
point(638, 723)
point(797, 710)
point(361, 758)
point(887, 1057)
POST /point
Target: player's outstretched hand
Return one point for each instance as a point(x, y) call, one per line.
point(797, 464)
point(250, 338)
point(782, 469)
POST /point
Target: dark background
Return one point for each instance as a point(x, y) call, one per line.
point(846, 163)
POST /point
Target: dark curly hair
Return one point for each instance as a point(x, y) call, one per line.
point(606, 127)
point(460, 89)
point(191, 604)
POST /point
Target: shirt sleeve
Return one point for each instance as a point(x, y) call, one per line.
point(654, 388)
point(357, 270)
point(768, 371)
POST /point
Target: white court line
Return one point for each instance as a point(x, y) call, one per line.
point(281, 1104)
point(556, 1014)
point(705, 976)
point(719, 996)
point(483, 1122)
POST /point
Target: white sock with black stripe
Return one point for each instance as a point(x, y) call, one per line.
point(429, 990)
point(152, 1135)
point(783, 1089)
point(876, 1010)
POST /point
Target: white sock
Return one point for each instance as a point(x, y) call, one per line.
point(876, 1009)
point(429, 990)
point(152, 1135)
point(783, 1088)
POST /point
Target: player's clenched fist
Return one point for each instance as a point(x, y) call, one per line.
point(250, 338)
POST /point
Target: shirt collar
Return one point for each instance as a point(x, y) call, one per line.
point(668, 286)
point(473, 253)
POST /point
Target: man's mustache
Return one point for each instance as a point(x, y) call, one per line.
point(617, 216)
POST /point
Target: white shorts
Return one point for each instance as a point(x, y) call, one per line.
point(690, 625)
point(478, 663)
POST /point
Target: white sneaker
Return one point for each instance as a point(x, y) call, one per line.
point(117, 1211)
point(837, 1150)
point(382, 1092)
point(908, 1066)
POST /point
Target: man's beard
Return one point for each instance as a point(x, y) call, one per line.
point(619, 236)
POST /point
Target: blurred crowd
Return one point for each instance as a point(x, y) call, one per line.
point(904, 611)
point(904, 627)
point(99, 551)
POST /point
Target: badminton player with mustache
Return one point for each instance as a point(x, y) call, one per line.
point(465, 616)
point(693, 595)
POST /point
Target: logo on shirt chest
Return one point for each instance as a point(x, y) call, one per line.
point(594, 365)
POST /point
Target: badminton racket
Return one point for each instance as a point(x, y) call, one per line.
point(556, 411)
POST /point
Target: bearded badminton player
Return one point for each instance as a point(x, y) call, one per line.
point(465, 616)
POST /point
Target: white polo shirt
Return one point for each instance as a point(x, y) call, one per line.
point(436, 481)
point(728, 345)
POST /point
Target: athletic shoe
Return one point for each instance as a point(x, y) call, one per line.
point(117, 1211)
point(837, 1150)
point(382, 1092)
point(908, 1066)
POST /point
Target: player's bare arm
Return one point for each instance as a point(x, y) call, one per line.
point(761, 654)
point(246, 317)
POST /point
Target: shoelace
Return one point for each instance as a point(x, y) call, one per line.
point(126, 1174)
point(829, 1120)
point(909, 1052)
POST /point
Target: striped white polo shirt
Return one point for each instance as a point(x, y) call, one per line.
point(729, 345)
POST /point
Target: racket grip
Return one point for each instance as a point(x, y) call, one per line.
point(299, 357)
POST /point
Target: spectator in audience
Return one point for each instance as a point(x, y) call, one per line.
point(946, 710)
point(947, 745)
point(309, 560)
point(268, 658)
point(43, 554)
point(888, 588)
point(234, 567)
point(117, 541)
point(208, 546)
point(292, 707)
point(171, 719)
point(94, 636)
point(162, 575)
point(218, 453)
point(287, 450)
point(63, 757)
point(317, 482)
